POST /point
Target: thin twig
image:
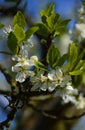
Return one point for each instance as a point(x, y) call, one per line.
point(6, 53)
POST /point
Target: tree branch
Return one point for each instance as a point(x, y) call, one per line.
point(8, 93)
point(48, 114)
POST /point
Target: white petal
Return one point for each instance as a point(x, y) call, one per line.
point(43, 87)
point(62, 84)
point(24, 53)
point(59, 73)
point(34, 58)
point(80, 26)
point(20, 77)
point(51, 87)
point(43, 78)
point(67, 78)
point(15, 68)
point(83, 33)
point(51, 76)
point(16, 58)
point(30, 73)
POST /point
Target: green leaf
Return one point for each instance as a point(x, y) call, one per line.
point(80, 64)
point(41, 66)
point(53, 56)
point(48, 11)
point(76, 72)
point(72, 56)
point(1, 25)
point(44, 18)
point(52, 19)
point(82, 54)
point(30, 32)
point(12, 43)
point(83, 78)
point(19, 33)
point(64, 22)
point(62, 59)
point(19, 19)
point(42, 29)
point(59, 31)
point(49, 21)
point(60, 26)
point(47, 15)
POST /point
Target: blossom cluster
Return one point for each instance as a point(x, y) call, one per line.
point(60, 84)
point(56, 81)
point(25, 64)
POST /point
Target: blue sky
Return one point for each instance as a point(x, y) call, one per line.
point(64, 7)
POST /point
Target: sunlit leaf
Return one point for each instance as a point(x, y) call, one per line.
point(19, 19)
point(19, 33)
point(76, 72)
point(30, 32)
point(40, 65)
point(80, 64)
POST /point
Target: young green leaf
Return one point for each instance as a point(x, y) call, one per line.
point(64, 22)
point(72, 56)
point(48, 11)
point(62, 59)
point(60, 26)
point(47, 15)
point(83, 78)
point(42, 29)
point(52, 20)
point(76, 72)
point(19, 19)
point(53, 56)
point(19, 33)
point(79, 65)
point(41, 66)
point(30, 32)
point(12, 43)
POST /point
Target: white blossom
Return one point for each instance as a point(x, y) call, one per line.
point(80, 103)
point(68, 94)
point(7, 30)
point(81, 10)
point(23, 67)
point(58, 78)
point(53, 79)
point(80, 27)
